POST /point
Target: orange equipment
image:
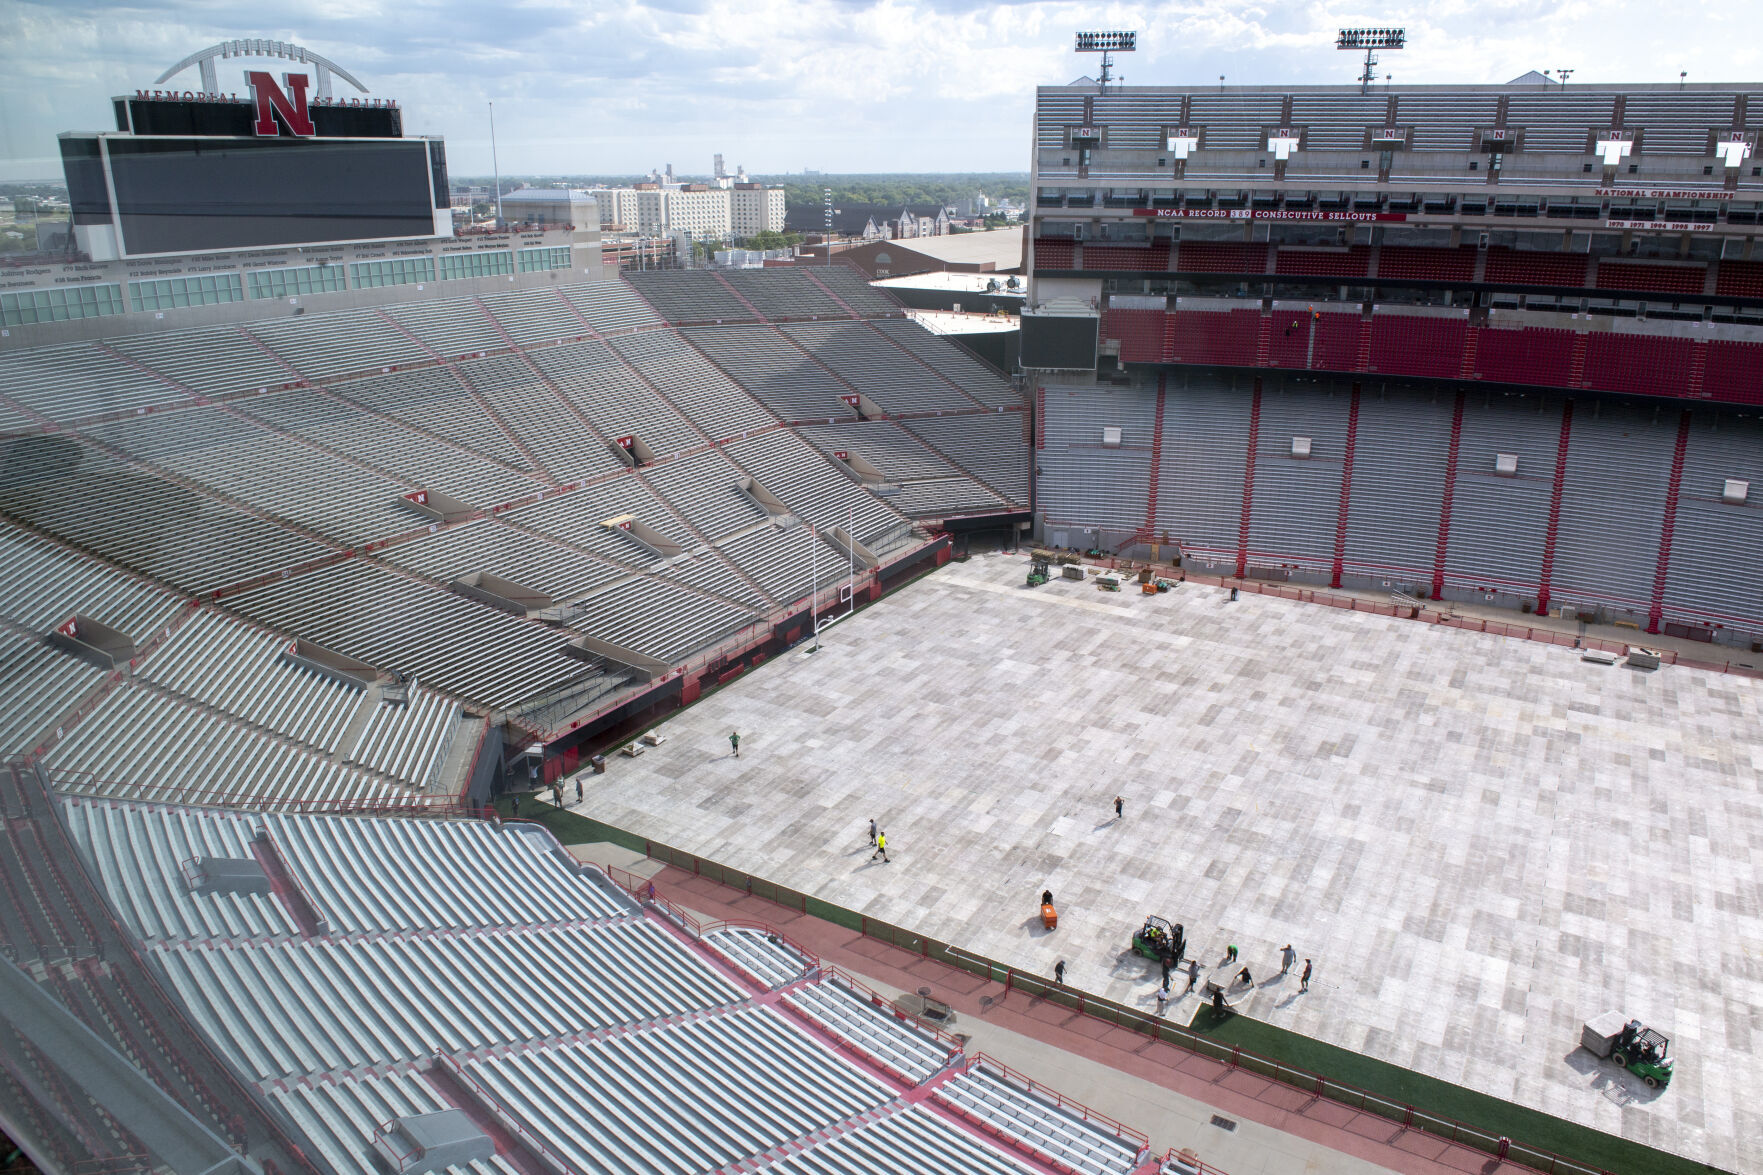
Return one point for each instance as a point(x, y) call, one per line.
point(1049, 916)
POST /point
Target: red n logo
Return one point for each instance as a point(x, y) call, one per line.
point(267, 95)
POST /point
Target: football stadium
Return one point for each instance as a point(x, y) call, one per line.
point(464, 701)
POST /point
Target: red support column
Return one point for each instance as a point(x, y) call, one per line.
point(1548, 568)
point(1340, 526)
point(1438, 555)
point(1156, 462)
point(1668, 526)
point(1249, 478)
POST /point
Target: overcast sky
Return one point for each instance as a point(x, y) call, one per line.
point(782, 85)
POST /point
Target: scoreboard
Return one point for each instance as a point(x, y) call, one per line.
point(193, 173)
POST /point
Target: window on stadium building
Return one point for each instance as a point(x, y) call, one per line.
point(404, 271)
point(28, 306)
point(287, 283)
point(533, 260)
point(173, 293)
point(463, 265)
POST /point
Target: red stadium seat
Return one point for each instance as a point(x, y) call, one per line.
point(1401, 262)
point(1733, 372)
point(1350, 262)
point(1336, 341)
point(1054, 253)
point(1647, 365)
point(1412, 344)
point(1220, 257)
point(1532, 355)
point(1154, 256)
point(1210, 336)
point(1140, 333)
point(1522, 267)
point(1662, 279)
point(1740, 279)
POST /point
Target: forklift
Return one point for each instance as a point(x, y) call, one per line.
point(1037, 570)
point(1642, 1051)
point(1160, 942)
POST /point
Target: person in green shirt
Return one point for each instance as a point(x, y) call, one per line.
point(734, 742)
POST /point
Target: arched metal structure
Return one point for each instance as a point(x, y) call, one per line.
point(256, 48)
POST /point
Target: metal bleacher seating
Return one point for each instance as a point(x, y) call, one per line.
point(852, 288)
point(1101, 486)
point(810, 487)
point(1205, 438)
point(987, 446)
point(437, 403)
point(38, 684)
point(1401, 446)
point(901, 1046)
point(703, 487)
point(686, 297)
point(1498, 523)
point(451, 327)
point(330, 345)
point(408, 741)
point(1617, 465)
point(341, 1117)
point(779, 374)
point(1075, 1143)
point(616, 401)
point(779, 294)
point(237, 668)
point(611, 307)
point(533, 317)
point(42, 583)
point(872, 365)
point(759, 953)
point(954, 364)
point(75, 381)
point(694, 385)
point(542, 423)
point(1705, 585)
point(215, 361)
point(1297, 499)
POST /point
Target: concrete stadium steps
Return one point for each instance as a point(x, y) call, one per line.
point(705, 488)
point(488, 544)
point(340, 1117)
point(1068, 1139)
point(142, 744)
point(215, 361)
point(783, 293)
point(687, 296)
point(69, 383)
point(910, 1141)
point(150, 524)
point(532, 317)
point(987, 446)
point(42, 583)
point(418, 629)
point(237, 668)
point(598, 383)
point(698, 388)
point(38, 684)
point(951, 362)
point(435, 402)
point(411, 458)
point(611, 306)
point(680, 1098)
point(875, 367)
point(902, 1048)
point(265, 469)
point(808, 484)
point(317, 1005)
point(542, 423)
point(790, 384)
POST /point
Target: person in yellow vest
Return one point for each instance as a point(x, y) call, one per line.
point(881, 847)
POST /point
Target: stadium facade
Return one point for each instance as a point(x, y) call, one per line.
point(1500, 343)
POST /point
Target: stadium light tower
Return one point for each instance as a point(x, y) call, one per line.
point(1371, 40)
point(1107, 44)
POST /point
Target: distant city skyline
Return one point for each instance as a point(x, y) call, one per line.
point(780, 86)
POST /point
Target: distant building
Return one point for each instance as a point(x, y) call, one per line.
point(550, 206)
point(755, 208)
point(737, 211)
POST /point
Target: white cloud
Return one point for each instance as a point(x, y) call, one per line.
point(842, 85)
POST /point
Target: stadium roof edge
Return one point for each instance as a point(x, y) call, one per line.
point(1430, 88)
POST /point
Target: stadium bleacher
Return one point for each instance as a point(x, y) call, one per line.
point(408, 966)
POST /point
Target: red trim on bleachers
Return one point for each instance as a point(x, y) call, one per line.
point(1414, 263)
point(1249, 478)
point(1554, 526)
point(1646, 365)
point(1055, 253)
point(1405, 344)
point(1656, 609)
point(1524, 267)
point(1220, 257)
point(1340, 526)
point(1439, 552)
point(1531, 355)
point(1739, 279)
point(1153, 257)
point(1659, 279)
point(1139, 332)
point(1351, 262)
point(1210, 336)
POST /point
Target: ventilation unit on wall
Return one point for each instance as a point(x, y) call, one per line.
point(1110, 437)
point(1506, 464)
point(1736, 490)
point(1300, 446)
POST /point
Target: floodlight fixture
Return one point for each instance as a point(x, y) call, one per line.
point(1371, 40)
point(1107, 44)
